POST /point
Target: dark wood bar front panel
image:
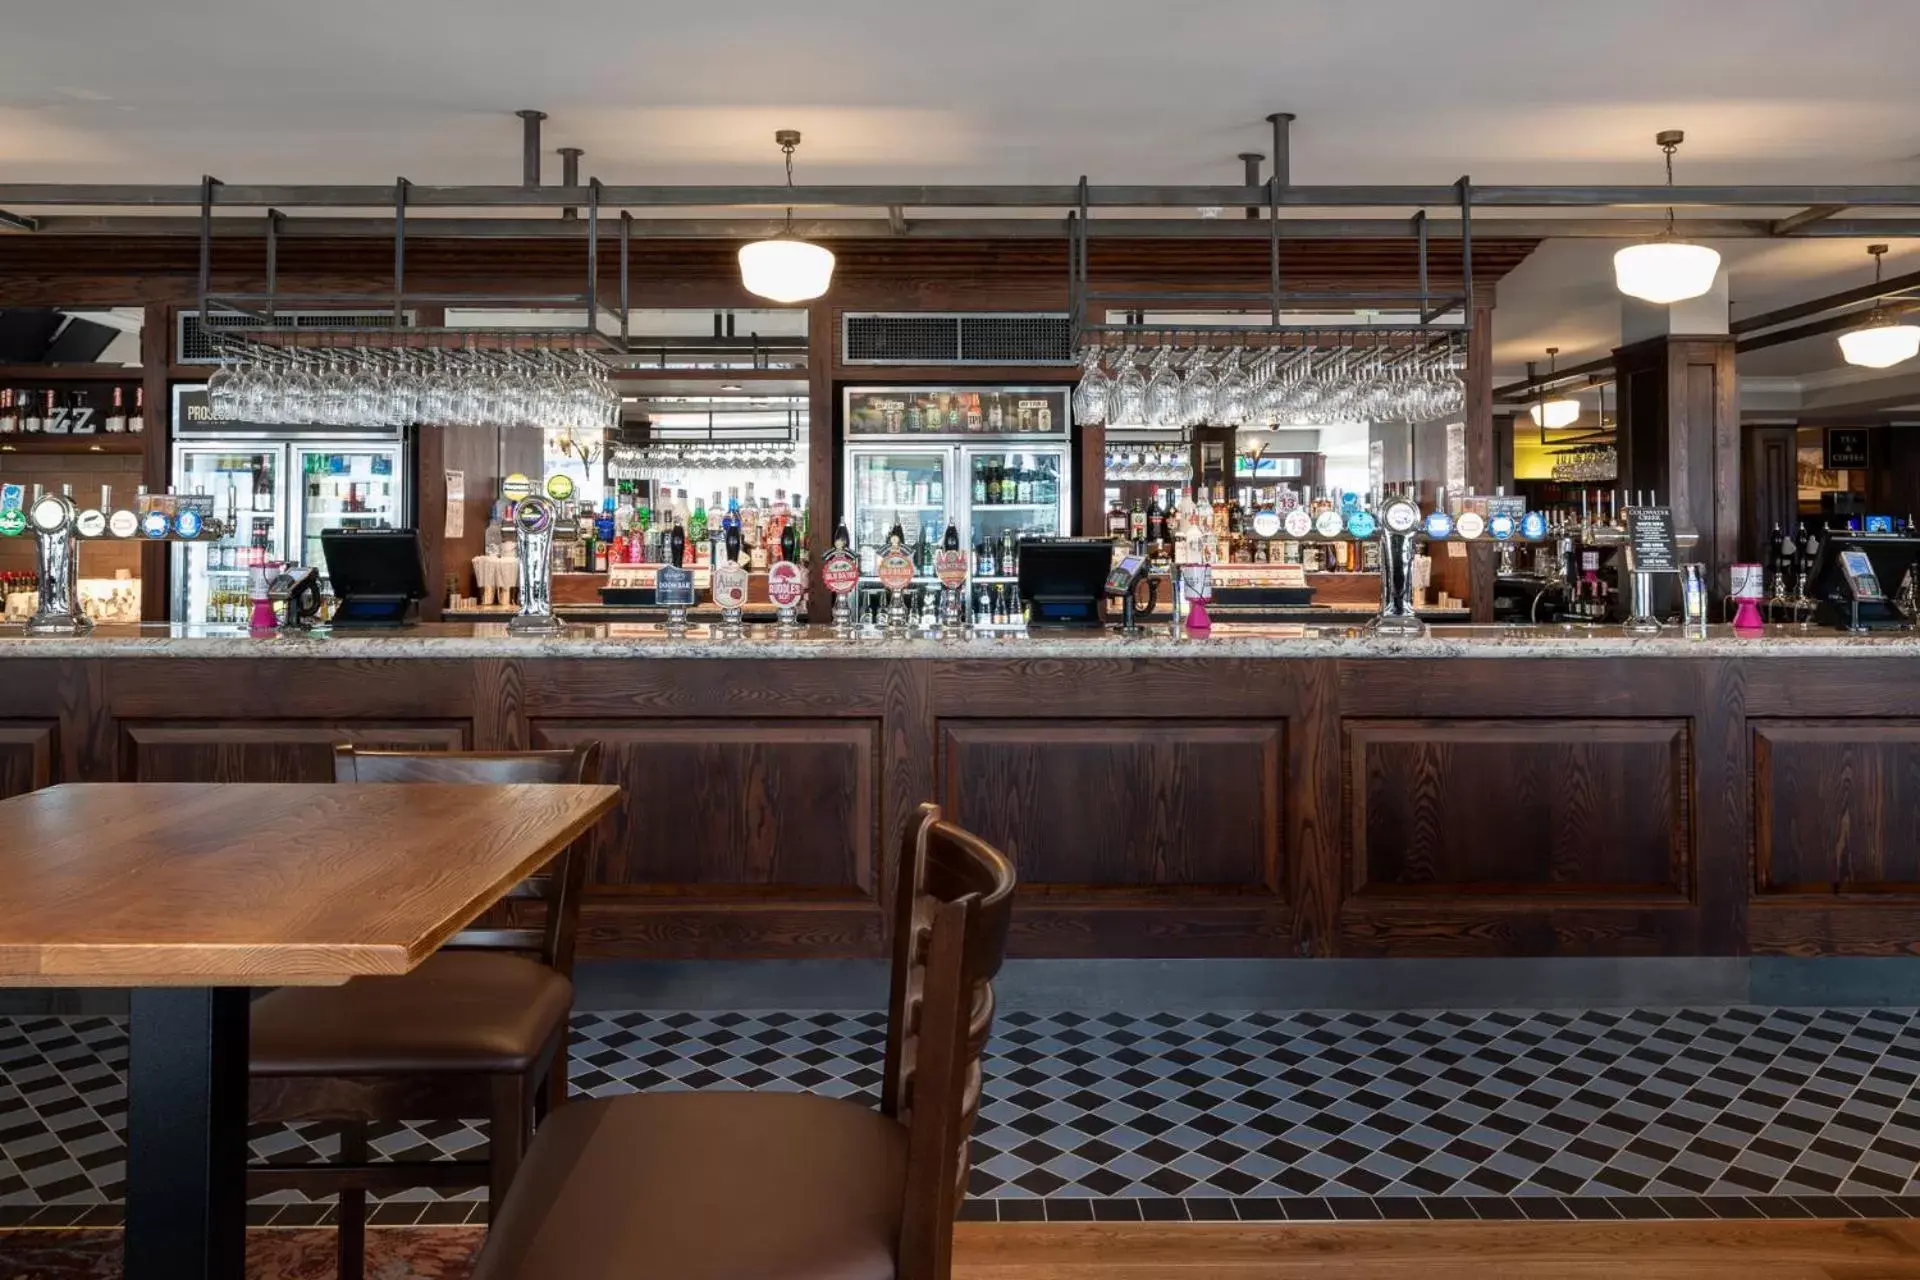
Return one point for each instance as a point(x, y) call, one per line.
point(1156, 807)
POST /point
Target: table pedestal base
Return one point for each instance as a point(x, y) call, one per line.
point(187, 1134)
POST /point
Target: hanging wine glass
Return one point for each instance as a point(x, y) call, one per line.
point(1230, 396)
point(1128, 406)
point(1197, 387)
point(1163, 390)
point(1090, 398)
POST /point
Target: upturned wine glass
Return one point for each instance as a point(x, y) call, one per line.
point(1090, 397)
point(1128, 405)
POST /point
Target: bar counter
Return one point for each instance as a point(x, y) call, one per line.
point(1268, 791)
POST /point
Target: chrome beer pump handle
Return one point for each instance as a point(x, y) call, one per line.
point(533, 519)
point(1397, 616)
point(57, 550)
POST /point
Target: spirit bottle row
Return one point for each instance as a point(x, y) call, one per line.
point(54, 413)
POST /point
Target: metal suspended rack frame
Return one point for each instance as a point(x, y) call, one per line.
point(406, 210)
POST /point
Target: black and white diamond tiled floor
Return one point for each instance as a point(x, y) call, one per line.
point(1725, 1112)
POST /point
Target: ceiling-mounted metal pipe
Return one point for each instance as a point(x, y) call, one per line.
point(747, 227)
point(1282, 146)
point(1252, 159)
point(570, 176)
point(530, 146)
point(19, 195)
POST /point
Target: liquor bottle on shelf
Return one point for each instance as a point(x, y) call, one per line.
point(1009, 555)
point(9, 414)
point(982, 559)
point(1156, 521)
point(1116, 519)
point(996, 414)
point(979, 484)
point(953, 412)
point(1137, 523)
point(974, 417)
point(138, 422)
point(697, 525)
point(30, 420)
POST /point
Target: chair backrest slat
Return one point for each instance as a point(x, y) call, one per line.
point(953, 908)
point(910, 925)
point(557, 886)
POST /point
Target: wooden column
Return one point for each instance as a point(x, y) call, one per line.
point(1480, 459)
point(1769, 485)
point(156, 354)
point(1679, 436)
point(1893, 473)
point(823, 323)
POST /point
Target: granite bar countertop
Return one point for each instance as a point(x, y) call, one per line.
point(1228, 640)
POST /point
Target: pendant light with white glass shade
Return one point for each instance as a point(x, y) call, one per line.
point(1666, 269)
point(1551, 415)
point(786, 268)
point(1885, 339)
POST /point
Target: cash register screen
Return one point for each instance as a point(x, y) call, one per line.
point(377, 574)
point(1063, 580)
point(1848, 562)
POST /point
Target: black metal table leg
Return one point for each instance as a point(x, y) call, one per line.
point(187, 1134)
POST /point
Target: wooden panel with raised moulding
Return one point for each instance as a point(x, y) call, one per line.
point(267, 750)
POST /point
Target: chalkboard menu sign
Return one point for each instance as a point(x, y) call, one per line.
point(1846, 448)
point(1650, 542)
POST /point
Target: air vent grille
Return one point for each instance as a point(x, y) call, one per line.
point(197, 344)
point(955, 338)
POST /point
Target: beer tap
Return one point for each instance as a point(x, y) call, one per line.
point(1398, 521)
point(533, 520)
point(53, 518)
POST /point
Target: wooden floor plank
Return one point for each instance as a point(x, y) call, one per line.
point(1745, 1250)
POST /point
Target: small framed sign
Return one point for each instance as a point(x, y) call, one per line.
point(1846, 448)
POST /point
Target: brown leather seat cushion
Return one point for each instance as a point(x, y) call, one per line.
point(704, 1186)
point(458, 1011)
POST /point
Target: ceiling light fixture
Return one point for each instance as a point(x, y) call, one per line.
point(786, 268)
point(1666, 269)
point(1551, 415)
point(1883, 341)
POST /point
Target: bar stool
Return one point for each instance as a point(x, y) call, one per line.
point(789, 1186)
point(478, 1029)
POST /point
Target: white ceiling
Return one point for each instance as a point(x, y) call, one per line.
point(1001, 90)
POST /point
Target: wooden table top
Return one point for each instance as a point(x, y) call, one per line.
point(236, 884)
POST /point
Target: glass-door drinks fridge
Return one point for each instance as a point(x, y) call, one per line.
point(278, 486)
point(996, 462)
